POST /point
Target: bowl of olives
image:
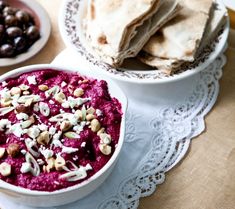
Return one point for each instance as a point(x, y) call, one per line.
point(24, 30)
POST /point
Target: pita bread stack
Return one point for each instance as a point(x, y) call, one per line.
point(183, 38)
point(118, 29)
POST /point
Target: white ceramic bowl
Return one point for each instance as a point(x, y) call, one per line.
point(70, 24)
point(42, 21)
point(137, 80)
point(70, 194)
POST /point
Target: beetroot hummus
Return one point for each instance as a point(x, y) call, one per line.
point(57, 129)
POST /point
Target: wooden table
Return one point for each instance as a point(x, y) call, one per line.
point(205, 179)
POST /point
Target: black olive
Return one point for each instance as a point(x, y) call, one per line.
point(2, 5)
point(2, 29)
point(2, 32)
point(14, 31)
point(10, 20)
point(9, 11)
point(32, 32)
point(20, 43)
point(18, 30)
point(1, 18)
point(7, 50)
point(22, 16)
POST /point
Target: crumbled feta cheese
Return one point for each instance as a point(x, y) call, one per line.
point(26, 167)
point(57, 135)
point(33, 132)
point(52, 130)
point(47, 153)
point(72, 119)
point(83, 144)
point(32, 79)
point(65, 104)
point(88, 167)
point(23, 151)
point(15, 100)
point(98, 112)
point(69, 150)
point(63, 84)
point(62, 111)
point(16, 130)
point(22, 116)
point(57, 143)
point(51, 101)
point(75, 158)
point(4, 83)
point(4, 123)
point(5, 93)
point(36, 107)
point(43, 127)
point(40, 161)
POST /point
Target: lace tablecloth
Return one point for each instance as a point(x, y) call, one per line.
point(157, 138)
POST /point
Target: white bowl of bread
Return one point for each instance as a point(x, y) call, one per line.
point(146, 41)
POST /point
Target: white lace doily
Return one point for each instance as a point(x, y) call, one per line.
point(156, 140)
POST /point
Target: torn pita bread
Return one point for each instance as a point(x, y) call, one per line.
point(181, 37)
point(169, 66)
point(115, 28)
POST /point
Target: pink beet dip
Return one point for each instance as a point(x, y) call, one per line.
point(57, 129)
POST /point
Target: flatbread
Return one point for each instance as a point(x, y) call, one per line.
point(112, 25)
point(169, 66)
point(181, 37)
point(167, 11)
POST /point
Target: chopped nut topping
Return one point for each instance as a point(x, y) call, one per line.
point(105, 138)
point(23, 109)
point(78, 113)
point(6, 102)
point(100, 131)
point(43, 138)
point(29, 102)
point(28, 122)
point(2, 151)
point(90, 117)
point(90, 110)
point(105, 149)
point(60, 97)
point(59, 163)
point(15, 90)
point(69, 115)
point(5, 169)
point(43, 87)
point(50, 165)
point(85, 81)
point(13, 149)
point(95, 125)
point(65, 126)
point(78, 92)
